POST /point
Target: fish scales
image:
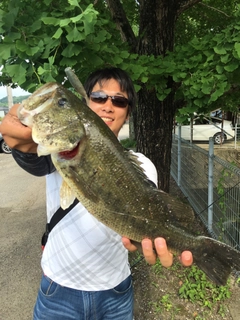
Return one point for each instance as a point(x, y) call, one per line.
point(108, 180)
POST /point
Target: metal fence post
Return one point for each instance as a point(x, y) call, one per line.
point(179, 156)
point(210, 184)
point(235, 137)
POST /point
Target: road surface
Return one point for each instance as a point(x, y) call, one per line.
point(22, 214)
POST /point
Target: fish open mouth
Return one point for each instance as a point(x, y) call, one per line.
point(69, 154)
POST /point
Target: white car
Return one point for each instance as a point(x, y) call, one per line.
point(3, 146)
point(204, 128)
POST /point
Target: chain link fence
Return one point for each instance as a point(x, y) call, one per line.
point(237, 136)
point(212, 187)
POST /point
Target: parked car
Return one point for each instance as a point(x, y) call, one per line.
point(204, 128)
point(3, 146)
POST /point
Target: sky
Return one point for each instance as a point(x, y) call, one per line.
point(15, 92)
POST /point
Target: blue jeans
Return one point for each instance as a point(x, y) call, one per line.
point(55, 302)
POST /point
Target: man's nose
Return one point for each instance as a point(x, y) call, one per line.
point(108, 106)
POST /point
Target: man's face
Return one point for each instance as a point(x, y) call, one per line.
point(112, 115)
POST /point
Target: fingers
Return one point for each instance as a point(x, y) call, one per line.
point(15, 134)
point(186, 258)
point(165, 257)
point(14, 109)
point(148, 252)
point(128, 244)
point(161, 251)
point(12, 127)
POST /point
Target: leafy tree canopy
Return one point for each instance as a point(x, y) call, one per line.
point(39, 39)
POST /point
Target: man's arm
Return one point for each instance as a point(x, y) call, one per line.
point(24, 149)
point(30, 162)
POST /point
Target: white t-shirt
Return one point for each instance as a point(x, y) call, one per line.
point(81, 252)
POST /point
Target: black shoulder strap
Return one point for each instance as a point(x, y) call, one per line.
point(59, 214)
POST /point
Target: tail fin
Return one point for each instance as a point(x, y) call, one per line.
point(216, 259)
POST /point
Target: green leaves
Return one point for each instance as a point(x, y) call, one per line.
point(6, 51)
point(78, 26)
point(50, 21)
point(237, 48)
point(27, 49)
point(74, 35)
point(219, 50)
point(46, 42)
point(17, 73)
point(8, 18)
point(212, 63)
point(197, 288)
point(58, 33)
point(233, 65)
point(74, 3)
point(42, 39)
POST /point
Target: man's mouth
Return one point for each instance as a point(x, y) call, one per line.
point(107, 119)
point(69, 154)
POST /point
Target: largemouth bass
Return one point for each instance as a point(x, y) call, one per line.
point(109, 182)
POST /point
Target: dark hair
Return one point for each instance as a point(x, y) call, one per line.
point(117, 74)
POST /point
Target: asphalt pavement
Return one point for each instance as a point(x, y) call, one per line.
point(22, 214)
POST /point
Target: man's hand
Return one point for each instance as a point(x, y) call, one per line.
point(16, 135)
point(165, 256)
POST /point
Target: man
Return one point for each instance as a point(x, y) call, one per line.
point(86, 274)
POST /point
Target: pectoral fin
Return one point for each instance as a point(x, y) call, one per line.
point(66, 196)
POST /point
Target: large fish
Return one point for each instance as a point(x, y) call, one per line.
point(109, 182)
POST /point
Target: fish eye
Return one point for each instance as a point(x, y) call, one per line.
point(61, 102)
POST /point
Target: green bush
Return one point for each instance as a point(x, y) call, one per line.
point(128, 143)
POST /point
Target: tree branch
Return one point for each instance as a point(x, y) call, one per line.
point(186, 4)
point(120, 18)
point(215, 9)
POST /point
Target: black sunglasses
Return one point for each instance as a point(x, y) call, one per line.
point(101, 97)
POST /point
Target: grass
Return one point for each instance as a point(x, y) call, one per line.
point(179, 293)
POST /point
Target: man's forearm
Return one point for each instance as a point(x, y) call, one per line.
point(30, 162)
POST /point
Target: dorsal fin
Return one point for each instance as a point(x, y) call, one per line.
point(76, 83)
point(137, 166)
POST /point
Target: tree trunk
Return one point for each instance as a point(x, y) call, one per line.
point(154, 133)
point(155, 118)
point(153, 121)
